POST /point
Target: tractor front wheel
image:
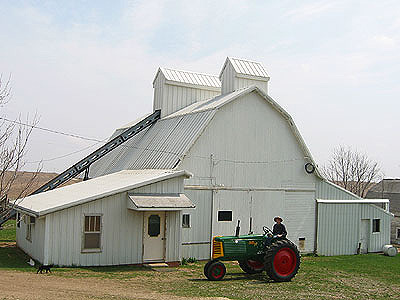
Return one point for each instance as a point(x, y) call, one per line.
point(215, 271)
point(282, 260)
point(206, 266)
point(251, 266)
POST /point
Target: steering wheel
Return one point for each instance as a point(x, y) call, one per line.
point(267, 230)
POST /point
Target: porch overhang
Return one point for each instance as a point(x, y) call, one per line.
point(159, 202)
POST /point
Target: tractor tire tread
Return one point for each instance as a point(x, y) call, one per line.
point(269, 257)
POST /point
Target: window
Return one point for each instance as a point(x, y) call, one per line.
point(302, 243)
point(376, 225)
point(398, 233)
point(186, 221)
point(225, 215)
point(92, 233)
point(30, 222)
point(18, 220)
point(154, 225)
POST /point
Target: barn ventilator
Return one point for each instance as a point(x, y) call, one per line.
point(84, 164)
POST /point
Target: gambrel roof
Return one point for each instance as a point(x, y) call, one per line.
point(164, 144)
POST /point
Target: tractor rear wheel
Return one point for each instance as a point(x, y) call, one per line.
point(251, 266)
point(216, 271)
point(282, 260)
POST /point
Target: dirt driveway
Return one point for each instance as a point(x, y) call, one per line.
point(26, 285)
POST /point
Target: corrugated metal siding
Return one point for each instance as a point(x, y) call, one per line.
point(121, 238)
point(159, 91)
point(339, 228)
point(238, 73)
point(299, 216)
point(239, 203)
point(173, 236)
point(328, 191)
point(377, 239)
point(174, 90)
point(244, 82)
point(160, 147)
point(176, 97)
point(264, 206)
point(200, 229)
point(122, 230)
point(228, 79)
point(172, 186)
point(35, 248)
point(252, 146)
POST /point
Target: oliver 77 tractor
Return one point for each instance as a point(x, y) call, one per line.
point(255, 253)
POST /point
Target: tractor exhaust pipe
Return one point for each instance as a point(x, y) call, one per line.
point(238, 228)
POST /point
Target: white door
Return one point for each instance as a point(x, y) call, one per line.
point(364, 235)
point(153, 236)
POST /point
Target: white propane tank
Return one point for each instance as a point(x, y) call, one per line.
point(389, 250)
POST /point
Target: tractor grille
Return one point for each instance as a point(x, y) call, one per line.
point(235, 247)
point(218, 249)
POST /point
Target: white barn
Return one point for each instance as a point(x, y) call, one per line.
point(248, 163)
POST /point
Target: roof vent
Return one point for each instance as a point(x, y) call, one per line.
point(175, 89)
point(239, 73)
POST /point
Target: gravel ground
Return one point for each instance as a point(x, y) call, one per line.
point(26, 285)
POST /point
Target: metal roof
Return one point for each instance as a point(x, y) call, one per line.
point(246, 67)
point(165, 143)
point(159, 201)
point(352, 201)
point(188, 77)
point(161, 146)
point(86, 191)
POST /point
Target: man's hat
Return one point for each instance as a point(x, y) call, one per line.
point(278, 217)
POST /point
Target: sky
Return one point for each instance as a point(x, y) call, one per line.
point(86, 67)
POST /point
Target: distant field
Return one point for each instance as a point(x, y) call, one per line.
point(371, 276)
point(24, 177)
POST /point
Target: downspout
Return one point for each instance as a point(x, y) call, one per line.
point(316, 229)
point(212, 203)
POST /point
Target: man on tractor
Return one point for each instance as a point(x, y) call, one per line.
point(279, 229)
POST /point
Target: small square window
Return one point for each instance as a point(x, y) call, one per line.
point(376, 225)
point(398, 233)
point(225, 215)
point(186, 221)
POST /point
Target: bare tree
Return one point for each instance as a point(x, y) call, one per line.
point(352, 170)
point(14, 137)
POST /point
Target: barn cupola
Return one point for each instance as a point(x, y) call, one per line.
point(239, 73)
point(174, 90)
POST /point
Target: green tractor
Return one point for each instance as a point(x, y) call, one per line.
point(255, 253)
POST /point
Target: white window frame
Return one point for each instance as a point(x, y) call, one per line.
point(227, 210)
point(189, 225)
point(92, 250)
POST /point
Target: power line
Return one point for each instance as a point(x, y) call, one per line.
point(65, 155)
point(51, 130)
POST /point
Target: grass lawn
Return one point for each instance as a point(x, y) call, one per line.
point(7, 234)
point(371, 276)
